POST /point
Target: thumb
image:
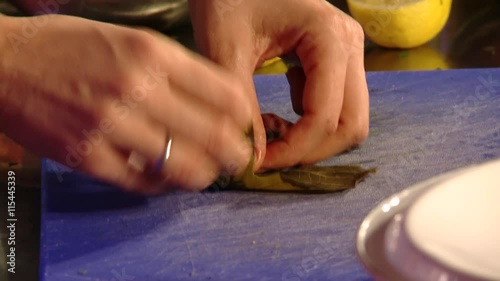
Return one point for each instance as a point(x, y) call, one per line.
point(242, 63)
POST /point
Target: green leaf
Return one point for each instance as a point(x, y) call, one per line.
point(305, 179)
point(302, 179)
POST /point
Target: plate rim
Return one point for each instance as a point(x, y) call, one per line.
point(411, 192)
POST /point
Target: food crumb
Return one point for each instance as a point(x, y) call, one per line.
point(253, 242)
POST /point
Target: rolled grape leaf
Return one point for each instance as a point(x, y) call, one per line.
point(302, 179)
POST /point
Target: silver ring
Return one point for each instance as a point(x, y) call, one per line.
point(164, 157)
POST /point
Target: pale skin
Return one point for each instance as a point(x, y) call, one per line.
point(122, 89)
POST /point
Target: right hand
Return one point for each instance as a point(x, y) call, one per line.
point(329, 91)
point(88, 94)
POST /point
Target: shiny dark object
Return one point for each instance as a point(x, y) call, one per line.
point(470, 39)
point(158, 14)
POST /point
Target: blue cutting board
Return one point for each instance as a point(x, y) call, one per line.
point(422, 124)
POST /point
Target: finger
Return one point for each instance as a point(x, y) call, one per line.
point(325, 69)
point(258, 130)
point(259, 137)
point(215, 132)
point(188, 167)
point(107, 163)
point(238, 61)
point(214, 86)
point(140, 136)
point(354, 120)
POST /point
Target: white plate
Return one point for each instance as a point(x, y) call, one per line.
point(370, 242)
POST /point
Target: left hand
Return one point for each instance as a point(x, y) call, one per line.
point(329, 92)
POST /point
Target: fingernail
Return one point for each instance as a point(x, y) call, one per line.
point(257, 153)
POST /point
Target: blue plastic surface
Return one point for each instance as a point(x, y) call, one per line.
point(422, 124)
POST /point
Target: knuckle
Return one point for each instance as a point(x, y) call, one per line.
point(141, 45)
point(357, 130)
point(344, 27)
point(331, 127)
point(361, 134)
point(128, 91)
point(352, 31)
point(358, 35)
point(122, 82)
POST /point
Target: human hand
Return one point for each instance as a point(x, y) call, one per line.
point(89, 95)
point(329, 92)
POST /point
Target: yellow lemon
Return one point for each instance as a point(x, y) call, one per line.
point(420, 58)
point(400, 23)
point(272, 66)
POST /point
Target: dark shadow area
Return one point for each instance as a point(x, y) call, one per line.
point(78, 193)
